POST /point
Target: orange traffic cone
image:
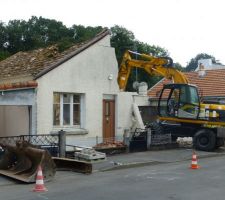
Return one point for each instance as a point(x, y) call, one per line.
point(194, 163)
point(39, 187)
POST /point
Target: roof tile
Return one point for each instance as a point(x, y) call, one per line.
point(212, 84)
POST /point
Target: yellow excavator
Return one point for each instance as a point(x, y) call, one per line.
point(180, 111)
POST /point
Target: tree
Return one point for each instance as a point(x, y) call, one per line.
point(179, 67)
point(3, 45)
point(193, 64)
point(15, 37)
point(82, 33)
point(121, 39)
point(151, 49)
point(44, 32)
point(38, 32)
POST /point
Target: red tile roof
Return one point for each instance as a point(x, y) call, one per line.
point(211, 85)
point(18, 85)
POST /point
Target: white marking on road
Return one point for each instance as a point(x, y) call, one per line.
point(173, 178)
point(43, 197)
point(163, 178)
point(157, 175)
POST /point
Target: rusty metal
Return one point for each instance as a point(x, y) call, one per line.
point(73, 165)
point(21, 162)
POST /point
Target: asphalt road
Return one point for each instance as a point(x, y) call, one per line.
point(173, 181)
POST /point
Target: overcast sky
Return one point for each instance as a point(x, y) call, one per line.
point(183, 27)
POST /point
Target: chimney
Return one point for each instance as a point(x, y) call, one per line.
point(201, 70)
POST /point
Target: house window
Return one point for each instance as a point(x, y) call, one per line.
point(66, 109)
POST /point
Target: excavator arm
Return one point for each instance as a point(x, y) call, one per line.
point(154, 66)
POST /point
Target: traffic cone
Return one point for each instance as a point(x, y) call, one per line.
point(39, 186)
point(194, 163)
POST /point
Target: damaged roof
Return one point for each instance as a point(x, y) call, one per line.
point(210, 85)
point(38, 62)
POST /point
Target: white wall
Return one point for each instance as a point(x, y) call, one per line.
point(124, 106)
point(86, 73)
point(124, 112)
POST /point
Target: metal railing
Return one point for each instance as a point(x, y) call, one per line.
point(144, 139)
point(161, 139)
point(10, 140)
point(39, 140)
point(57, 145)
point(44, 141)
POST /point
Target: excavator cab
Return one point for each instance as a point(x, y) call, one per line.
point(179, 101)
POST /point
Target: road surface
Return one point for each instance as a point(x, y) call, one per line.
point(171, 181)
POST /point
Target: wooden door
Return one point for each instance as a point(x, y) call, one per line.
point(108, 120)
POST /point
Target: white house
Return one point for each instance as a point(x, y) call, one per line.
point(44, 91)
point(207, 64)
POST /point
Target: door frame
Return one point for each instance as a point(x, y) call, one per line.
point(112, 110)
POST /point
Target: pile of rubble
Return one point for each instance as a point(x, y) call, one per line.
point(111, 144)
point(185, 142)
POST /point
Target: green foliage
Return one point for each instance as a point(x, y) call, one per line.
point(193, 64)
point(3, 51)
point(44, 32)
point(81, 33)
point(2, 35)
point(20, 35)
point(179, 67)
point(65, 43)
point(121, 39)
point(152, 50)
point(4, 55)
point(38, 32)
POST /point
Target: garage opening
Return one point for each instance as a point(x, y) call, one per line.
point(14, 120)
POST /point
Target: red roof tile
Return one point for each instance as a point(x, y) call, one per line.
point(18, 85)
point(211, 85)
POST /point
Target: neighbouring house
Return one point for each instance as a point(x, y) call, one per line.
point(208, 64)
point(211, 84)
point(44, 91)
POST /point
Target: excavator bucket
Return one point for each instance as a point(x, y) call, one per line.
point(73, 165)
point(21, 162)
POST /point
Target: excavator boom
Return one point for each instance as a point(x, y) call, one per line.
point(154, 66)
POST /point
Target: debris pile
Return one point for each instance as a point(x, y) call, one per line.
point(185, 142)
point(111, 144)
point(111, 147)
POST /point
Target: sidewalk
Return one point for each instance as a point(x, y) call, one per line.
point(127, 160)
